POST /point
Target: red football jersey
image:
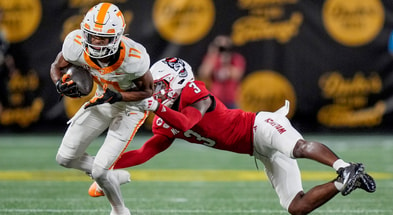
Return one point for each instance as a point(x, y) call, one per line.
point(220, 127)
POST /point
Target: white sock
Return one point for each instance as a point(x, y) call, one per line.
point(340, 163)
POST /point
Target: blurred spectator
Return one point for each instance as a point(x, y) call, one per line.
point(222, 70)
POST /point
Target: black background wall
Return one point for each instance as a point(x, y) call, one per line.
point(330, 58)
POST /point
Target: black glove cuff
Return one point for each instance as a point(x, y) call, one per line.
point(116, 98)
point(58, 84)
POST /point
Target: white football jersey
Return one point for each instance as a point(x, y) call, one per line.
point(132, 63)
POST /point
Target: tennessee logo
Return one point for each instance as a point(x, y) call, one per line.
point(275, 125)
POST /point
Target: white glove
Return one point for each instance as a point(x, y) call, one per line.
point(149, 104)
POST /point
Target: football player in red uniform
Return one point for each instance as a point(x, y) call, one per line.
point(185, 109)
point(120, 67)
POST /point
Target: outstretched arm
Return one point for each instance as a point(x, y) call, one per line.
point(188, 117)
point(153, 146)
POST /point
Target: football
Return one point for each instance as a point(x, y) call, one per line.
point(82, 78)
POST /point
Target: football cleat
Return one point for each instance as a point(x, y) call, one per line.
point(123, 177)
point(95, 190)
point(366, 182)
point(349, 176)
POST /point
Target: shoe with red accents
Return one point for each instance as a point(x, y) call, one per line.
point(95, 190)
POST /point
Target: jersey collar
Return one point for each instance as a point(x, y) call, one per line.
point(111, 67)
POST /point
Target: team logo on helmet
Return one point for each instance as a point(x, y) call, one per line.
point(177, 64)
point(183, 73)
point(170, 76)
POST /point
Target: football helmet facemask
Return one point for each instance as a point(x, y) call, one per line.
point(104, 20)
point(170, 76)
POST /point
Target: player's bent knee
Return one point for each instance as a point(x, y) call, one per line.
point(62, 161)
point(98, 173)
point(303, 148)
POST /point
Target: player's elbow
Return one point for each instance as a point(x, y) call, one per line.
point(183, 127)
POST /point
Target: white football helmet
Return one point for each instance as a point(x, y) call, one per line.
point(170, 76)
point(103, 20)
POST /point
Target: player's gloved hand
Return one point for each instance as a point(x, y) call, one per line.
point(67, 87)
point(108, 96)
point(149, 104)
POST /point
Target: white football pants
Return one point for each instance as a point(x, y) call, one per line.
point(121, 122)
point(274, 141)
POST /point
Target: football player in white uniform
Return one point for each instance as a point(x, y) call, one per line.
point(120, 67)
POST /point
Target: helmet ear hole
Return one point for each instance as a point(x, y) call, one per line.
point(181, 81)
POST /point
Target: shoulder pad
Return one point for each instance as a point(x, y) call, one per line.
point(72, 46)
point(193, 91)
point(138, 61)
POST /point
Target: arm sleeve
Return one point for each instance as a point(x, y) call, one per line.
point(155, 145)
point(183, 121)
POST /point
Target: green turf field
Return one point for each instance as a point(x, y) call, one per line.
point(185, 179)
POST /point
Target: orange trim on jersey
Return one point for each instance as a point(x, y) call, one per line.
point(99, 22)
point(114, 84)
point(134, 55)
point(138, 125)
point(102, 82)
point(110, 68)
point(78, 39)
